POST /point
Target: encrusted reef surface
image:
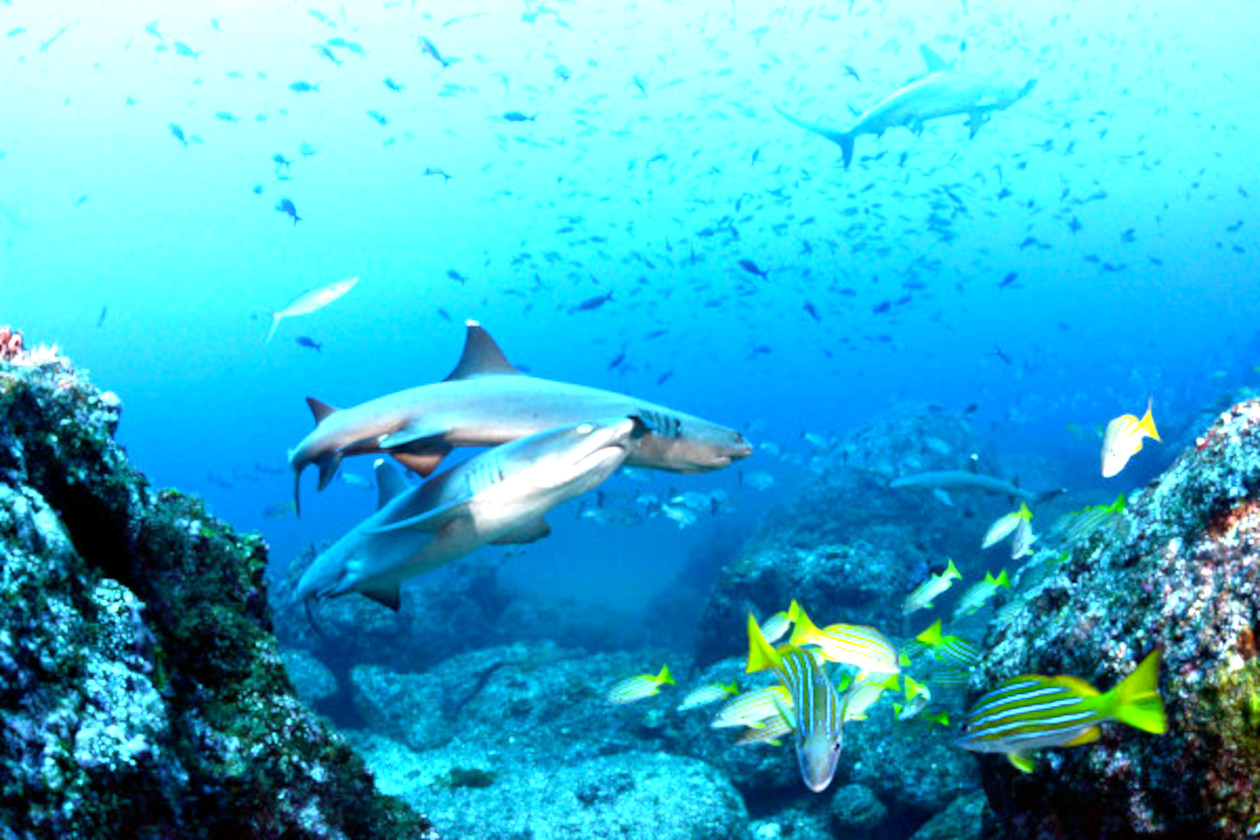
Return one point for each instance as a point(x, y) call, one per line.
point(141, 692)
point(1183, 575)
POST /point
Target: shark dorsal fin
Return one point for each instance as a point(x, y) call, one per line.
point(481, 356)
point(389, 482)
point(934, 62)
point(319, 409)
point(387, 595)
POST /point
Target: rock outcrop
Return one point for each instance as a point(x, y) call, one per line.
point(141, 691)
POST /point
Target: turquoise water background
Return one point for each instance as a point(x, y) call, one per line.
point(1141, 128)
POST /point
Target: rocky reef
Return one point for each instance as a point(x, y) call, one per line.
point(141, 690)
point(1180, 572)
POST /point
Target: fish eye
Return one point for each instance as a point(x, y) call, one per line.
point(585, 429)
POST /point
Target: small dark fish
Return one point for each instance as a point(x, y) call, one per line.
point(813, 312)
point(592, 303)
point(152, 29)
point(881, 308)
point(378, 117)
point(280, 160)
point(456, 276)
point(517, 116)
point(971, 409)
point(752, 268)
point(446, 315)
point(664, 377)
point(226, 116)
point(432, 171)
point(326, 53)
point(428, 48)
point(268, 470)
point(100, 319)
point(562, 73)
point(1008, 279)
point(186, 51)
point(287, 207)
point(849, 71)
point(304, 87)
point(997, 351)
point(178, 133)
point(642, 87)
point(617, 360)
point(219, 480)
point(392, 85)
point(307, 341)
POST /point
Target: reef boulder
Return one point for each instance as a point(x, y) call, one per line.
point(1181, 572)
point(141, 692)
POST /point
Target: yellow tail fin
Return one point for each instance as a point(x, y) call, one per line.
point(760, 655)
point(1147, 423)
point(1136, 700)
point(803, 630)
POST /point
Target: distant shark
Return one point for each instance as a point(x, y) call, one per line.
point(943, 92)
point(971, 480)
point(486, 401)
point(499, 496)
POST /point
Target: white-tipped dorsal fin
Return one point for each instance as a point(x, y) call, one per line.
point(389, 482)
point(934, 62)
point(319, 409)
point(481, 356)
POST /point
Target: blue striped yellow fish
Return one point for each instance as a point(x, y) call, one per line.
point(817, 715)
point(775, 627)
point(865, 648)
point(1033, 712)
point(706, 694)
point(1123, 440)
point(637, 688)
point(752, 708)
point(978, 594)
point(1080, 525)
point(952, 650)
point(925, 593)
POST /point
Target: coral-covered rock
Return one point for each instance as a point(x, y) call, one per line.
point(1182, 574)
point(962, 820)
point(141, 693)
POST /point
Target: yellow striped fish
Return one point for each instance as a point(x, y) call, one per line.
point(1033, 711)
point(637, 688)
point(865, 648)
point(1123, 440)
point(752, 708)
point(817, 714)
point(925, 593)
point(706, 694)
point(978, 594)
point(775, 627)
point(952, 650)
point(770, 733)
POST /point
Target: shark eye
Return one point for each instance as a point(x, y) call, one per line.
point(585, 429)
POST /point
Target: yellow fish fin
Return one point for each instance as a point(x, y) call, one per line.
point(1136, 700)
point(1022, 762)
point(1087, 737)
point(1147, 423)
point(760, 655)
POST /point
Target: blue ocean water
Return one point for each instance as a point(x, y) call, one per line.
point(1119, 194)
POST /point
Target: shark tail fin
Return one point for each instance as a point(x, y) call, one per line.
point(275, 322)
point(842, 138)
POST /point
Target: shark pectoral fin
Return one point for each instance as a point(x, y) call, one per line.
point(974, 121)
point(389, 482)
point(416, 437)
point(481, 356)
point(431, 520)
point(386, 595)
point(422, 463)
point(327, 463)
point(533, 530)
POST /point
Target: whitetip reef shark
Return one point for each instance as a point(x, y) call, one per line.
point(943, 92)
point(486, 401)
point(972, 479)
point(498, 496)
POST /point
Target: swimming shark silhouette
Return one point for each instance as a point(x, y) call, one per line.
point(486, 401)
point(498, 496)
point(943, 92)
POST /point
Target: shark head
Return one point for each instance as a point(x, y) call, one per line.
point(682, 443)
point(569, 460)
